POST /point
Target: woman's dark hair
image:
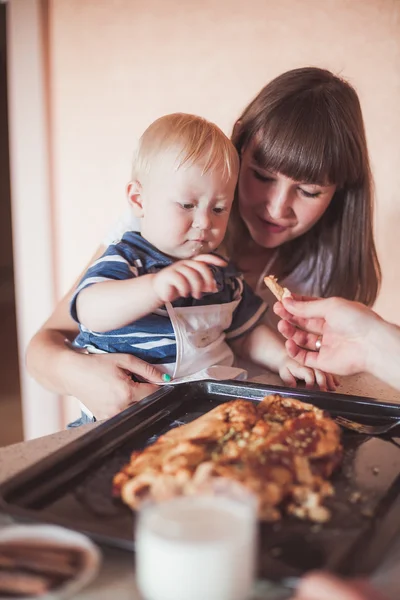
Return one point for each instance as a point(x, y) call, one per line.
point(307, 124)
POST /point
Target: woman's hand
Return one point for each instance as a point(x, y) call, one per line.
point(103, 382)
point(322, 586)
point(343, 328)
point(291, 370)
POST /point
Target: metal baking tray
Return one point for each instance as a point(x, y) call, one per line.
point(72, 487)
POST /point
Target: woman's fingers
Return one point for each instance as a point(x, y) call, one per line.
point(297, 370)
point(309, 309)
point(335, 379)
point(139, 367)
point(330, 382)
point(300, 337)
point(304, 357)
point(281, 311)
point(321, 379)
point(287, 378)
point(311, 325)
point(141, 390)
point(308, 376)
point(302, 298)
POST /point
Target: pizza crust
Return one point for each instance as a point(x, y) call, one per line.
point(281, 449)
point(279, 292)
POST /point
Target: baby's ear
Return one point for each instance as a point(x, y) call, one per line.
point(134, 195)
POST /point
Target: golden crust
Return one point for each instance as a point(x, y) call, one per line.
point(281, 449)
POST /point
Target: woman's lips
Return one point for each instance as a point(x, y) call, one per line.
point(272, 227)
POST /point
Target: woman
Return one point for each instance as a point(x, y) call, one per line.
point(303, 211)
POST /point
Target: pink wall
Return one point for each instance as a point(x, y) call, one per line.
point(107, 69)
point(115, 66)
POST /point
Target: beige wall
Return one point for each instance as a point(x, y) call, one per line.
point(115, 66)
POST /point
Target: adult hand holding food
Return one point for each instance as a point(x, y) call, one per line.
point(342, 336)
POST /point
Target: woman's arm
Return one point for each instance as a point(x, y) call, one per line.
point(48, 355)
point(353, 337)
point(265, 347)
point(102, 382)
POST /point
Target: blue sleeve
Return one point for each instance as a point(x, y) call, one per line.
point(117, 263)
point(248, 313)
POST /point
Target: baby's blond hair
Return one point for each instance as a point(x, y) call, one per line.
point(195, 140)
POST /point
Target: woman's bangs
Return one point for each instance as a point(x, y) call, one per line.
point(305, 149)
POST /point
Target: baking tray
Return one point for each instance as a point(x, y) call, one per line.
point(72, 487)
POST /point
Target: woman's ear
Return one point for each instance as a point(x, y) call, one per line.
point(134, 195)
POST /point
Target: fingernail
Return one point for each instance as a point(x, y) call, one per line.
point(166, 377)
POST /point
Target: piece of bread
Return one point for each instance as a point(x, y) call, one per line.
point(279, 292)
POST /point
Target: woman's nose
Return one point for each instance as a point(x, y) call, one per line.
point(279, 202)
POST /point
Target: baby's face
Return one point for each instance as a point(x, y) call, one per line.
point(185, 212)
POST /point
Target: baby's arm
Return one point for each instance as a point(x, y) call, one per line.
point(261, 346)
point(114, 303)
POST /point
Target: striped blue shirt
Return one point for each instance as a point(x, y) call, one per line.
point(152, 337)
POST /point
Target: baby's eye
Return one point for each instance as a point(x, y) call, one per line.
point(187, 206)
point(219, 210)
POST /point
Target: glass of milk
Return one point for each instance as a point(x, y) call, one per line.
point(200, 547)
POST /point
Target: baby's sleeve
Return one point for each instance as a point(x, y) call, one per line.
point(117, 263)
point(248, 313)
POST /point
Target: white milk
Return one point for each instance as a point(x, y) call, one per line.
point(196, 548)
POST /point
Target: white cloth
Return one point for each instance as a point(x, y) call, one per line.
point(201, 348)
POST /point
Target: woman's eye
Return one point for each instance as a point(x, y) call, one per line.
point(261, 177)
point(309, 194)
point(219, 210)
point(187, 206)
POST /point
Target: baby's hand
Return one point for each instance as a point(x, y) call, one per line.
point(192, 277)
point(290, 370)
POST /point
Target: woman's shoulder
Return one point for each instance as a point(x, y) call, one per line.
point(126, 222)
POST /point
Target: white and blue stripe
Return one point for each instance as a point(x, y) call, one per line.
point(152, 338)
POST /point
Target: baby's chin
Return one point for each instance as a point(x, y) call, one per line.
point(190, 250)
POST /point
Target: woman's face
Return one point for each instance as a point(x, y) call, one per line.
point(277, 209)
